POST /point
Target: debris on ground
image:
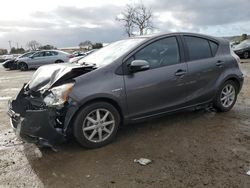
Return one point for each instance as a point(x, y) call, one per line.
point(38, 153)
point(143, 161)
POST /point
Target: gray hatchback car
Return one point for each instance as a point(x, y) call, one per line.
point(126, 81)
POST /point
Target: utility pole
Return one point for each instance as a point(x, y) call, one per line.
point(17, 45)
point(10, 44)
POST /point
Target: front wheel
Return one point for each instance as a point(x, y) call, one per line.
point(226, 96)
point(246, 55)
point(23, 66)
point(96, 124)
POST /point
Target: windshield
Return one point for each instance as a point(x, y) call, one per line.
point(243, 44)
point(108, 54)
point(27, 54)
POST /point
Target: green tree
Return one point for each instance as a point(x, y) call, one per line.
point(17, 50)
point(97, 45)
point(243, 37)
point(3, 51)
point(47, 47)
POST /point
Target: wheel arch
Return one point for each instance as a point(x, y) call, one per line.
point(59, 60)
point(236, 81)
point(21, 63)
point(70, 121)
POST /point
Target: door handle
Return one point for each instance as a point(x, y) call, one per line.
point(219, 63)
point(180, 72)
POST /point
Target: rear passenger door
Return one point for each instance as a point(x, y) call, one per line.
point(204, 67)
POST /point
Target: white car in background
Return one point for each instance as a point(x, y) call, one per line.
point(80, 56)
point(43, 57)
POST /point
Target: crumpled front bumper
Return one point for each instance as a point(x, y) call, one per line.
point(33, 124)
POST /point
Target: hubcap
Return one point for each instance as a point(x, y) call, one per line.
point(98, 125)
point(22, 66)
point(246, 55)
point(227, 96)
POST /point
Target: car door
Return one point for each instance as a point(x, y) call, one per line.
point(36, 60)
point(49, 58)
point(161, 88)
point(205, 65)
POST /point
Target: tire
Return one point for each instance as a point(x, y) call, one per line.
point(59, 61)
point(23, 66)
point(246, 55)
point(226, 96)
point(88, 118)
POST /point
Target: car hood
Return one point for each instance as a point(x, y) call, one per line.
point(47, 76)
point(22, 58)
point(238, 48)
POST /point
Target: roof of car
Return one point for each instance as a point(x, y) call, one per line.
point(178, 33)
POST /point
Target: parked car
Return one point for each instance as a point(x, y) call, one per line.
point(243, 49)
point(77, 58)
point(43, 57)
point(12, 63)
point(127, 81)
point(78, 53)
point(6, 57)
point(2, 58)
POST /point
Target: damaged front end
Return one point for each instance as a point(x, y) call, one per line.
point(34, 121)
point(39, 112)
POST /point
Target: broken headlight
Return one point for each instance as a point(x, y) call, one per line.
point(58, 95)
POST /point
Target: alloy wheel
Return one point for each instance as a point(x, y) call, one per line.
point(246, 55)
point(98, 125)
point(228, 95)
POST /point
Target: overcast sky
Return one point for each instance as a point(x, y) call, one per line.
point(66, 23)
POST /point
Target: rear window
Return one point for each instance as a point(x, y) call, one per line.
point(198, 48)
point(54, 53)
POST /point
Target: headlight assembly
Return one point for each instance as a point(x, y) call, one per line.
point(58, 95)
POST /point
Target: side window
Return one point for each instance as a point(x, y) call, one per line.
point(54, 53)
point(163, 52)
point(198, 48)
point(48, 53)
point(214, 47)
point(39, 54)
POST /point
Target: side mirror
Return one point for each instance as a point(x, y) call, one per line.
point(138, 65)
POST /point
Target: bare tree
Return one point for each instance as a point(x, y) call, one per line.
point(136, 19)
point(33, 45)
point(127, 17)
point(143, 19)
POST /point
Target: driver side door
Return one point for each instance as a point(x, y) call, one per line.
point(162, 87)
point(37, 60)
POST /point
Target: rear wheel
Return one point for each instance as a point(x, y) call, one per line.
point(59, 61)
point(96, 124)
point(226, 96)
point(246, 55)
point(23, 66)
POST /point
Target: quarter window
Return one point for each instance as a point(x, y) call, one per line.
point(198, 48)
point(214, 47)
point(163, 52)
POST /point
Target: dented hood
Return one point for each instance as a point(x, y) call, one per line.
point(47, 76)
